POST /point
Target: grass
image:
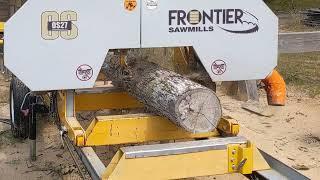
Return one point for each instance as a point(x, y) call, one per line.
point(302, 71)
point(292, 5)
point(288, 11)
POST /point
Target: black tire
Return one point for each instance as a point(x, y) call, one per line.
point(19, 122)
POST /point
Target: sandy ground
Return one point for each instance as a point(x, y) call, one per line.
point(291, 135)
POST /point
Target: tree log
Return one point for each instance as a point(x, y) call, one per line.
point(186, 103)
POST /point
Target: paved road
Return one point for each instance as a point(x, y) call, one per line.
point(299, 42)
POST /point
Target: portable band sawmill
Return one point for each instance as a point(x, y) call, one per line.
point(67, 57)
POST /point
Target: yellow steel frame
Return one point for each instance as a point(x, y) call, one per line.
point(204, 163)
point(111, 100)
point(1, 31)
point(118, 129)
point(74, 128)
point(141, 128)
point(135, 128)
point(228, 126)
point(1, 26)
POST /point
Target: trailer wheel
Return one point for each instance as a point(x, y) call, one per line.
point(19, 121)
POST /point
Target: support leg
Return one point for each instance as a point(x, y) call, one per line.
point(248, 90)
point(33, 129)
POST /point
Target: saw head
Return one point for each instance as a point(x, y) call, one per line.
point(56, 44)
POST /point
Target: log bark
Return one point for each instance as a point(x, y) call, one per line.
point(186, 103)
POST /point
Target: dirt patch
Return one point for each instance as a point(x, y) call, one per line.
point(6, 139)
point(53, 162)
point(291, 134)
point(311, 140)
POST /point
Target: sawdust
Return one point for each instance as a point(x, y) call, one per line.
point(292, 135)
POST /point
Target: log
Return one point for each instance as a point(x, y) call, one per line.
point(189, 105)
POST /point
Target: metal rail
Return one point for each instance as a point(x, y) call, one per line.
point(180, 147)
point(89, 158)
point(279, 170)
point(69, 146)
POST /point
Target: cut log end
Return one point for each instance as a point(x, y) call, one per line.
point(189, 105)
point(199, 110)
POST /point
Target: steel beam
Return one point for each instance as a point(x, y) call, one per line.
point(136, 128)
point(180, 147)
point(279, 170)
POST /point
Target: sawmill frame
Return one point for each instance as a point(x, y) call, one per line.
point(130, 128)
point(143, 128)
point(198, 154)
point(213, 153)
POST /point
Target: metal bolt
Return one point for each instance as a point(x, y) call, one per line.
point(233, 167)
point(232, 160)
point(233, 151)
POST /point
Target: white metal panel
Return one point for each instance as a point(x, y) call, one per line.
point(52, 64)
point(248, 49)
point(239, 49)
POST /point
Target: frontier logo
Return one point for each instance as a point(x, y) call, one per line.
point(231, 20)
